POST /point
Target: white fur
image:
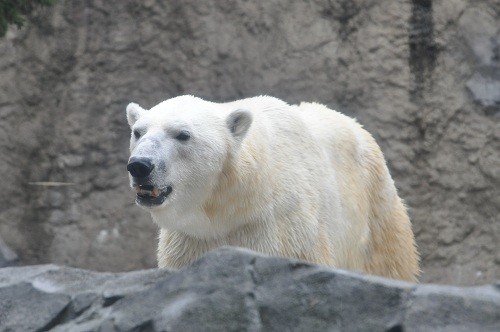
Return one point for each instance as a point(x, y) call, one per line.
point(300, 181)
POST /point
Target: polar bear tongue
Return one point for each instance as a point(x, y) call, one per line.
point(147, 190)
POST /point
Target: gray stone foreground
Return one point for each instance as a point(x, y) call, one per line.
point(236, 290)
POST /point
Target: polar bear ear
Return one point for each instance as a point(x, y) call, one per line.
point(239, 122)
point(134, 112)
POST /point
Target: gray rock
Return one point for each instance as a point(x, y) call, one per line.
point(237, 290)
point(482, 35)
point(25, 307)
point(7, 256)
point(485, 87)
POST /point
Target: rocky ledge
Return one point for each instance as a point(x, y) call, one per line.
point(236, 290)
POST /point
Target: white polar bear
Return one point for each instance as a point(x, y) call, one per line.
point(298, 181)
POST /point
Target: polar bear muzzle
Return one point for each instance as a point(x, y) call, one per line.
point(150, 195)
point(147, 194)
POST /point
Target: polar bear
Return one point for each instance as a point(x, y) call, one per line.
point(300, 181)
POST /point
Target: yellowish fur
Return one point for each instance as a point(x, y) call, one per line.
point(332, 203)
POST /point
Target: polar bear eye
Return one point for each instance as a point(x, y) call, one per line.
point(137, 134)
point(183, 136)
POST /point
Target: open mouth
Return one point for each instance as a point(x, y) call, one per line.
point(150, 195)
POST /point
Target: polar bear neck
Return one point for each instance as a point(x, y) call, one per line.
point(238, 199)
point(240, 191)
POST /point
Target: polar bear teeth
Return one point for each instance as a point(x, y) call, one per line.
point(147, 191)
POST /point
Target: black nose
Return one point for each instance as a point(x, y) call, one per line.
point(140, 167)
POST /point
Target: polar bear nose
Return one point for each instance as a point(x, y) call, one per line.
point(140, 167)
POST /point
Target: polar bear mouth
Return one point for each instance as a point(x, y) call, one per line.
point(150, 195)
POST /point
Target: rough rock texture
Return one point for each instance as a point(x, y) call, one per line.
point(421, 75)
point(7, 256)
point(236, 290)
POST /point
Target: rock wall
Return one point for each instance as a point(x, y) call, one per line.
point(236, 290)
point(421, 75)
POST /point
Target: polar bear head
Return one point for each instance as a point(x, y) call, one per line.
point(178, 149)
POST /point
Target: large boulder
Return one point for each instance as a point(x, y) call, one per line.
point(236, 290)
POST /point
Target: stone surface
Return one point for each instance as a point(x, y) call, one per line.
point(236, 290)
point(419, 74)
point(7, 256)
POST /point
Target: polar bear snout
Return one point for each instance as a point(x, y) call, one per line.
point(149, 191)
point(140, 167)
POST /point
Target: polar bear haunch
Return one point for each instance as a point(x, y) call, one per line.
point(299, 181)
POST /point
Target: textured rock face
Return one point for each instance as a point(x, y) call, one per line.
point(7, 256)
point(236, 290)
point(422, 76)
